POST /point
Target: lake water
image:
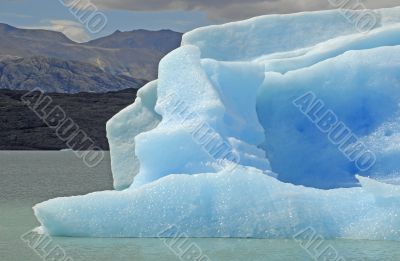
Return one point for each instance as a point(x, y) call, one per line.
point(28, 178)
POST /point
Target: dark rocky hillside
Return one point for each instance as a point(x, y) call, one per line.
point(21, 129)
point(91, 81)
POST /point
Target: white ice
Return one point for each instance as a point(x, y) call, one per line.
point(219, 147)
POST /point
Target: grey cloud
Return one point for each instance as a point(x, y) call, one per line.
point(229, 10)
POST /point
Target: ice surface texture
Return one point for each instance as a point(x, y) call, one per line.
point(239, 137)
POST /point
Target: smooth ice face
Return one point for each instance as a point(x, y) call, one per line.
point(122, 130)
point(360, 89)
point(202, 124)
point(247, 126)
point(278, 34)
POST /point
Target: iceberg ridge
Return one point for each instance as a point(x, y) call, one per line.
point(218, 148)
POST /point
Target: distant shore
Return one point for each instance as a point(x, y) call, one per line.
point(21, 129)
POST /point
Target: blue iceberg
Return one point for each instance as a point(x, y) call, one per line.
point(259, 128)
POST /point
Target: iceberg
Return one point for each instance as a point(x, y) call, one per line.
point(259, 128)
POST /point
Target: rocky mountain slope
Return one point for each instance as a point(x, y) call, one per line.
point(135, 54)
point(77, 76)
point(55, 75)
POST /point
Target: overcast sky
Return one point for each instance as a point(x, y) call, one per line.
point(178, 15)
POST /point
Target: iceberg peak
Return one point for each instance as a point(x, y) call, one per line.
point(258, 128)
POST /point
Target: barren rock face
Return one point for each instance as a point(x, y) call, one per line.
point(135, 54)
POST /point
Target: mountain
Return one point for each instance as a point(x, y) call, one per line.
point(55, 75)
point(21, 129)
point(8, 31)
point(77, 76)
point(163, 41)
point(135, 54)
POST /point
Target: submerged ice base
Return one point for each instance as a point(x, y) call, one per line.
point(217, 147)
point(244, 202)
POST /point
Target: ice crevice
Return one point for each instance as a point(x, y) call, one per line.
point(219, 147)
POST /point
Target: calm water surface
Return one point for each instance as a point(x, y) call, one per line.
point(28, 178)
